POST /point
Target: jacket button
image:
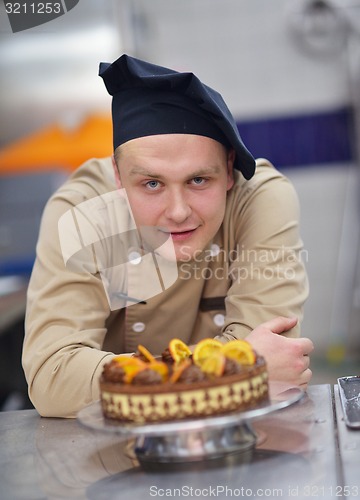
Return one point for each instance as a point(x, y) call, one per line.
point(138, 327)
point(134, 258)
point(219, 319)
point(214, 250)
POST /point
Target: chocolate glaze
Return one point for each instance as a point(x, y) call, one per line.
point(147, 377)
point(113, 372)
point(232, 367)
point(192, 374)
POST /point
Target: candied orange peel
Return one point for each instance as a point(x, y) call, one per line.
point(146, 353)
point(214, 364)
point(179, 350)
point(206, 348)
point(127, 360)
point(178, 370)
point(132, 367)
point(160, 367)
point(209, 355)
point(240, 351)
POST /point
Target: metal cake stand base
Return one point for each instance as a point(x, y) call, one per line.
point(185, 441)
point(195, 446)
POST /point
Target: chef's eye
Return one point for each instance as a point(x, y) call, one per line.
point(152, 184)
point(198, 181)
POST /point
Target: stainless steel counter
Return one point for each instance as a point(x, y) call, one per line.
point(304, 451)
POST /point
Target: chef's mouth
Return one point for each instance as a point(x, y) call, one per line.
point(181, 235)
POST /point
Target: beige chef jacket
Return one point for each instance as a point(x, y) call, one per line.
point(252, 271)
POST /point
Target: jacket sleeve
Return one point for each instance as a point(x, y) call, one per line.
point(268, 276)
point(64, 325)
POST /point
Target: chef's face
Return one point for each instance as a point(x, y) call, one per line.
point(177, 185)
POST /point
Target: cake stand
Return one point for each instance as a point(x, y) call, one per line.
point(193, 440)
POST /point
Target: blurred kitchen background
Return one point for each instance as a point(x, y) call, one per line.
point(289, 71)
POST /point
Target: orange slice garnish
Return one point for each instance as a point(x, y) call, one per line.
point(178, 370)
point(240, 351)
point(179, 350)
point(131, 372)
point(160, 367)
point(213, 364)
point(132, 369)
point(146, 353)
point(206, 348)
point(127, 360)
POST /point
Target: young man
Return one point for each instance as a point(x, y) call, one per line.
point(175, 236)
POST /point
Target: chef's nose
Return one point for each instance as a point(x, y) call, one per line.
point(178, 208)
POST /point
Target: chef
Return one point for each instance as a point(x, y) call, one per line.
point(181, 233)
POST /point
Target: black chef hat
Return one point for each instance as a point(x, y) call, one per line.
point(151, 100)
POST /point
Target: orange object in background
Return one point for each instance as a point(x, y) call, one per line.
point(59, 146)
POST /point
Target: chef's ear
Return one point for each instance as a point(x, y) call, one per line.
point(230, 168)
point(116, 172)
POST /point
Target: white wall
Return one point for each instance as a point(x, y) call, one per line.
point(330, 230)
point(243, 48)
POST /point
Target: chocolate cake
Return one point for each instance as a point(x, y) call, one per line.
point(216, 379)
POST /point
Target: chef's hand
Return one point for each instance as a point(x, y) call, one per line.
point(287, 358)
